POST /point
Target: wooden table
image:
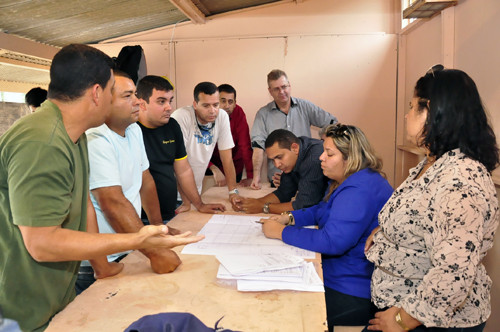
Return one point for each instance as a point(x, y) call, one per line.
point(112, 304)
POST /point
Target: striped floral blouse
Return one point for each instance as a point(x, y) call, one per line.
point(435, 231)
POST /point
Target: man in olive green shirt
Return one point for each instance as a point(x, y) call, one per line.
point(46, 222)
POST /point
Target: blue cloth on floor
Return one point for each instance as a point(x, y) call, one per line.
point(172, 322)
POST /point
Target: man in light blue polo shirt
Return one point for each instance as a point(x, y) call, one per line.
point(120, 181)
point(284, 112)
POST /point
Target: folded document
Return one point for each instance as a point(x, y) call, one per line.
point(301, 277)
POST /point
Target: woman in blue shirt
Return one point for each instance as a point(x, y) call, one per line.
point(345, 219)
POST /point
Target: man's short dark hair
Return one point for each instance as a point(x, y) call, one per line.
point(121, 73)
point(146, 85)
point(283, 137)
point(207, 88)
point(35, 97)
point(75, 68)
point(227, 89)
point(275, 74)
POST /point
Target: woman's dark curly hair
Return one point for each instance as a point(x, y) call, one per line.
point(456, 116)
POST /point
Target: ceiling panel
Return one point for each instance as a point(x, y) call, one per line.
point(213, 7)
point(62, 22)
point(21, 74)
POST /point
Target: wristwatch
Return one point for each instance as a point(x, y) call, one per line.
point(265, 208)
point(234, 191)
point(400, 322)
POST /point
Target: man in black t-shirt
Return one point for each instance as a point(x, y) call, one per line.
point(165, 148)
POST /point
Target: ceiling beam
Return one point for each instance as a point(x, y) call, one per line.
point(188, 8)
point(22, 64)
point(26, 46)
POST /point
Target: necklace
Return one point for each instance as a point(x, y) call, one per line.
point(205, 135)
point(429, 162)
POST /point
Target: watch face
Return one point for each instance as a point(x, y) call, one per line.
point(266, 208)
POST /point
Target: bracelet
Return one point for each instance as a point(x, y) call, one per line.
point(234, 191)
point(291, 219)
point(400, 322)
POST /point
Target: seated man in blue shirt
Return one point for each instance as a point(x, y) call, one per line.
point(302, 178)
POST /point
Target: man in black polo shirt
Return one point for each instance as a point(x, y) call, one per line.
point(165, 147)
point(302, 178)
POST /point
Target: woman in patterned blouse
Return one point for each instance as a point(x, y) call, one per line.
point(438, 225)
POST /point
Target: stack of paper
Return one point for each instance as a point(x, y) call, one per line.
point(255, 262)
point(239, 235)
point(269, 272)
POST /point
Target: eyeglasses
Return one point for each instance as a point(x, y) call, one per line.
point(279, 88)
point(434, 69)
point(340, 130)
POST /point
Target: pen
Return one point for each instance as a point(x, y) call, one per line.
point(259, 222)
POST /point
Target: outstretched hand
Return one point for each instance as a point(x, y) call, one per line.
point(156, 236)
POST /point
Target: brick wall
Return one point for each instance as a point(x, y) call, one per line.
point(9, 113)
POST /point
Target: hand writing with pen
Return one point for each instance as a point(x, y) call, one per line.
point(273, 227)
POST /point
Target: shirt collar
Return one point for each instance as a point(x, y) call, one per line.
point(300, 157)
point(293, 103)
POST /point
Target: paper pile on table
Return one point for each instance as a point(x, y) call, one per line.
point(269, 272)
point(239, 235)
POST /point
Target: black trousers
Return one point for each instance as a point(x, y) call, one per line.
point(348, 310)
point(421, 328)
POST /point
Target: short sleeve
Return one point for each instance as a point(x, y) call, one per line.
point(288, 188)
point(180, 147)
point(183, 119)
point(318, 117)
point(39, 193)
point(259, 133)
point(104, 169)
point(140, 141)
point(225, 139)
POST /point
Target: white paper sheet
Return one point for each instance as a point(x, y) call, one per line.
point(304, 278)
point(247, 264)
point(240, 235)
point(293, 274)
